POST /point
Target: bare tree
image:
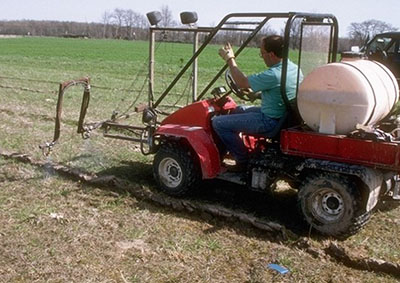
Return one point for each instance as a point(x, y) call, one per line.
point(140, 21)
point(167, 20)
point(129, 21)
point(133, 21)
point(295, 33)
point(118, 17)
point(359, 33)
point(141, 25)
point(268, 30)
point(106, 20)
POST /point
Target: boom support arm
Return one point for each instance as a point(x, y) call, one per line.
point(85, 82)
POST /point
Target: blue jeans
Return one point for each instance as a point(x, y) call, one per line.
point(246, 119)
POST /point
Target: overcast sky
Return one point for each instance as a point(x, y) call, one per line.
point(209, 12)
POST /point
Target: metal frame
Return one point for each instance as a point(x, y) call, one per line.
point(310, 18)
point(145, 133)
point(313, 18)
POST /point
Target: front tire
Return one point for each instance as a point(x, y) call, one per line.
point(331, 204)
point(176, 170)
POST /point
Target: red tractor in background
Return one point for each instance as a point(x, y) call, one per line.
point(340, 176)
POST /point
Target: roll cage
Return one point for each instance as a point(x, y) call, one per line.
point(251, 23)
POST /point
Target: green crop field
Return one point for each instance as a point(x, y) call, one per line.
point(57, 229)
point(118, 69)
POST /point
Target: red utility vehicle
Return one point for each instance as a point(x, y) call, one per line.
point(340, 178)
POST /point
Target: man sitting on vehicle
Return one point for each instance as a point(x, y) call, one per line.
point(252, 119)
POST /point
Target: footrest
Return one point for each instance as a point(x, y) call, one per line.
point(236, 178)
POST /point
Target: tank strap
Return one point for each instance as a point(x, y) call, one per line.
point(372, 88)
point(392, 78)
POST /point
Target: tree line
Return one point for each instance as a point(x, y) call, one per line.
point(131, 25)
point(118, 24)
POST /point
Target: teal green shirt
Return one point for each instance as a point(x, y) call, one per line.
point(269, 83)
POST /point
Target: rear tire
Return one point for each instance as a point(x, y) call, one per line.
point(331, 204)
point(176, 170)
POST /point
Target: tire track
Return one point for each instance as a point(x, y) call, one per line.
point(332, 250)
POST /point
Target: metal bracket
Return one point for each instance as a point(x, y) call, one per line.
point(48, 146)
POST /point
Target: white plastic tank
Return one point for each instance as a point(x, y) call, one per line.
point(335, 98)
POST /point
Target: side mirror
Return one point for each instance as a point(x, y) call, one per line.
point(188, 18)
point(154, 17)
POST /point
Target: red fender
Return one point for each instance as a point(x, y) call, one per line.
point(202, 144)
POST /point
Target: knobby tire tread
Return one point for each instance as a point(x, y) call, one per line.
point(358, 221)
point(191, 170)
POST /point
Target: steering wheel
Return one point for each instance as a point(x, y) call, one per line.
point(246, 94)
point(380, 54)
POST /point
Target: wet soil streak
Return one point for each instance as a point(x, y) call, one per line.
point(144, 194)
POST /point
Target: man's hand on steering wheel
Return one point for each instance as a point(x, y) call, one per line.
point(246, 94)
